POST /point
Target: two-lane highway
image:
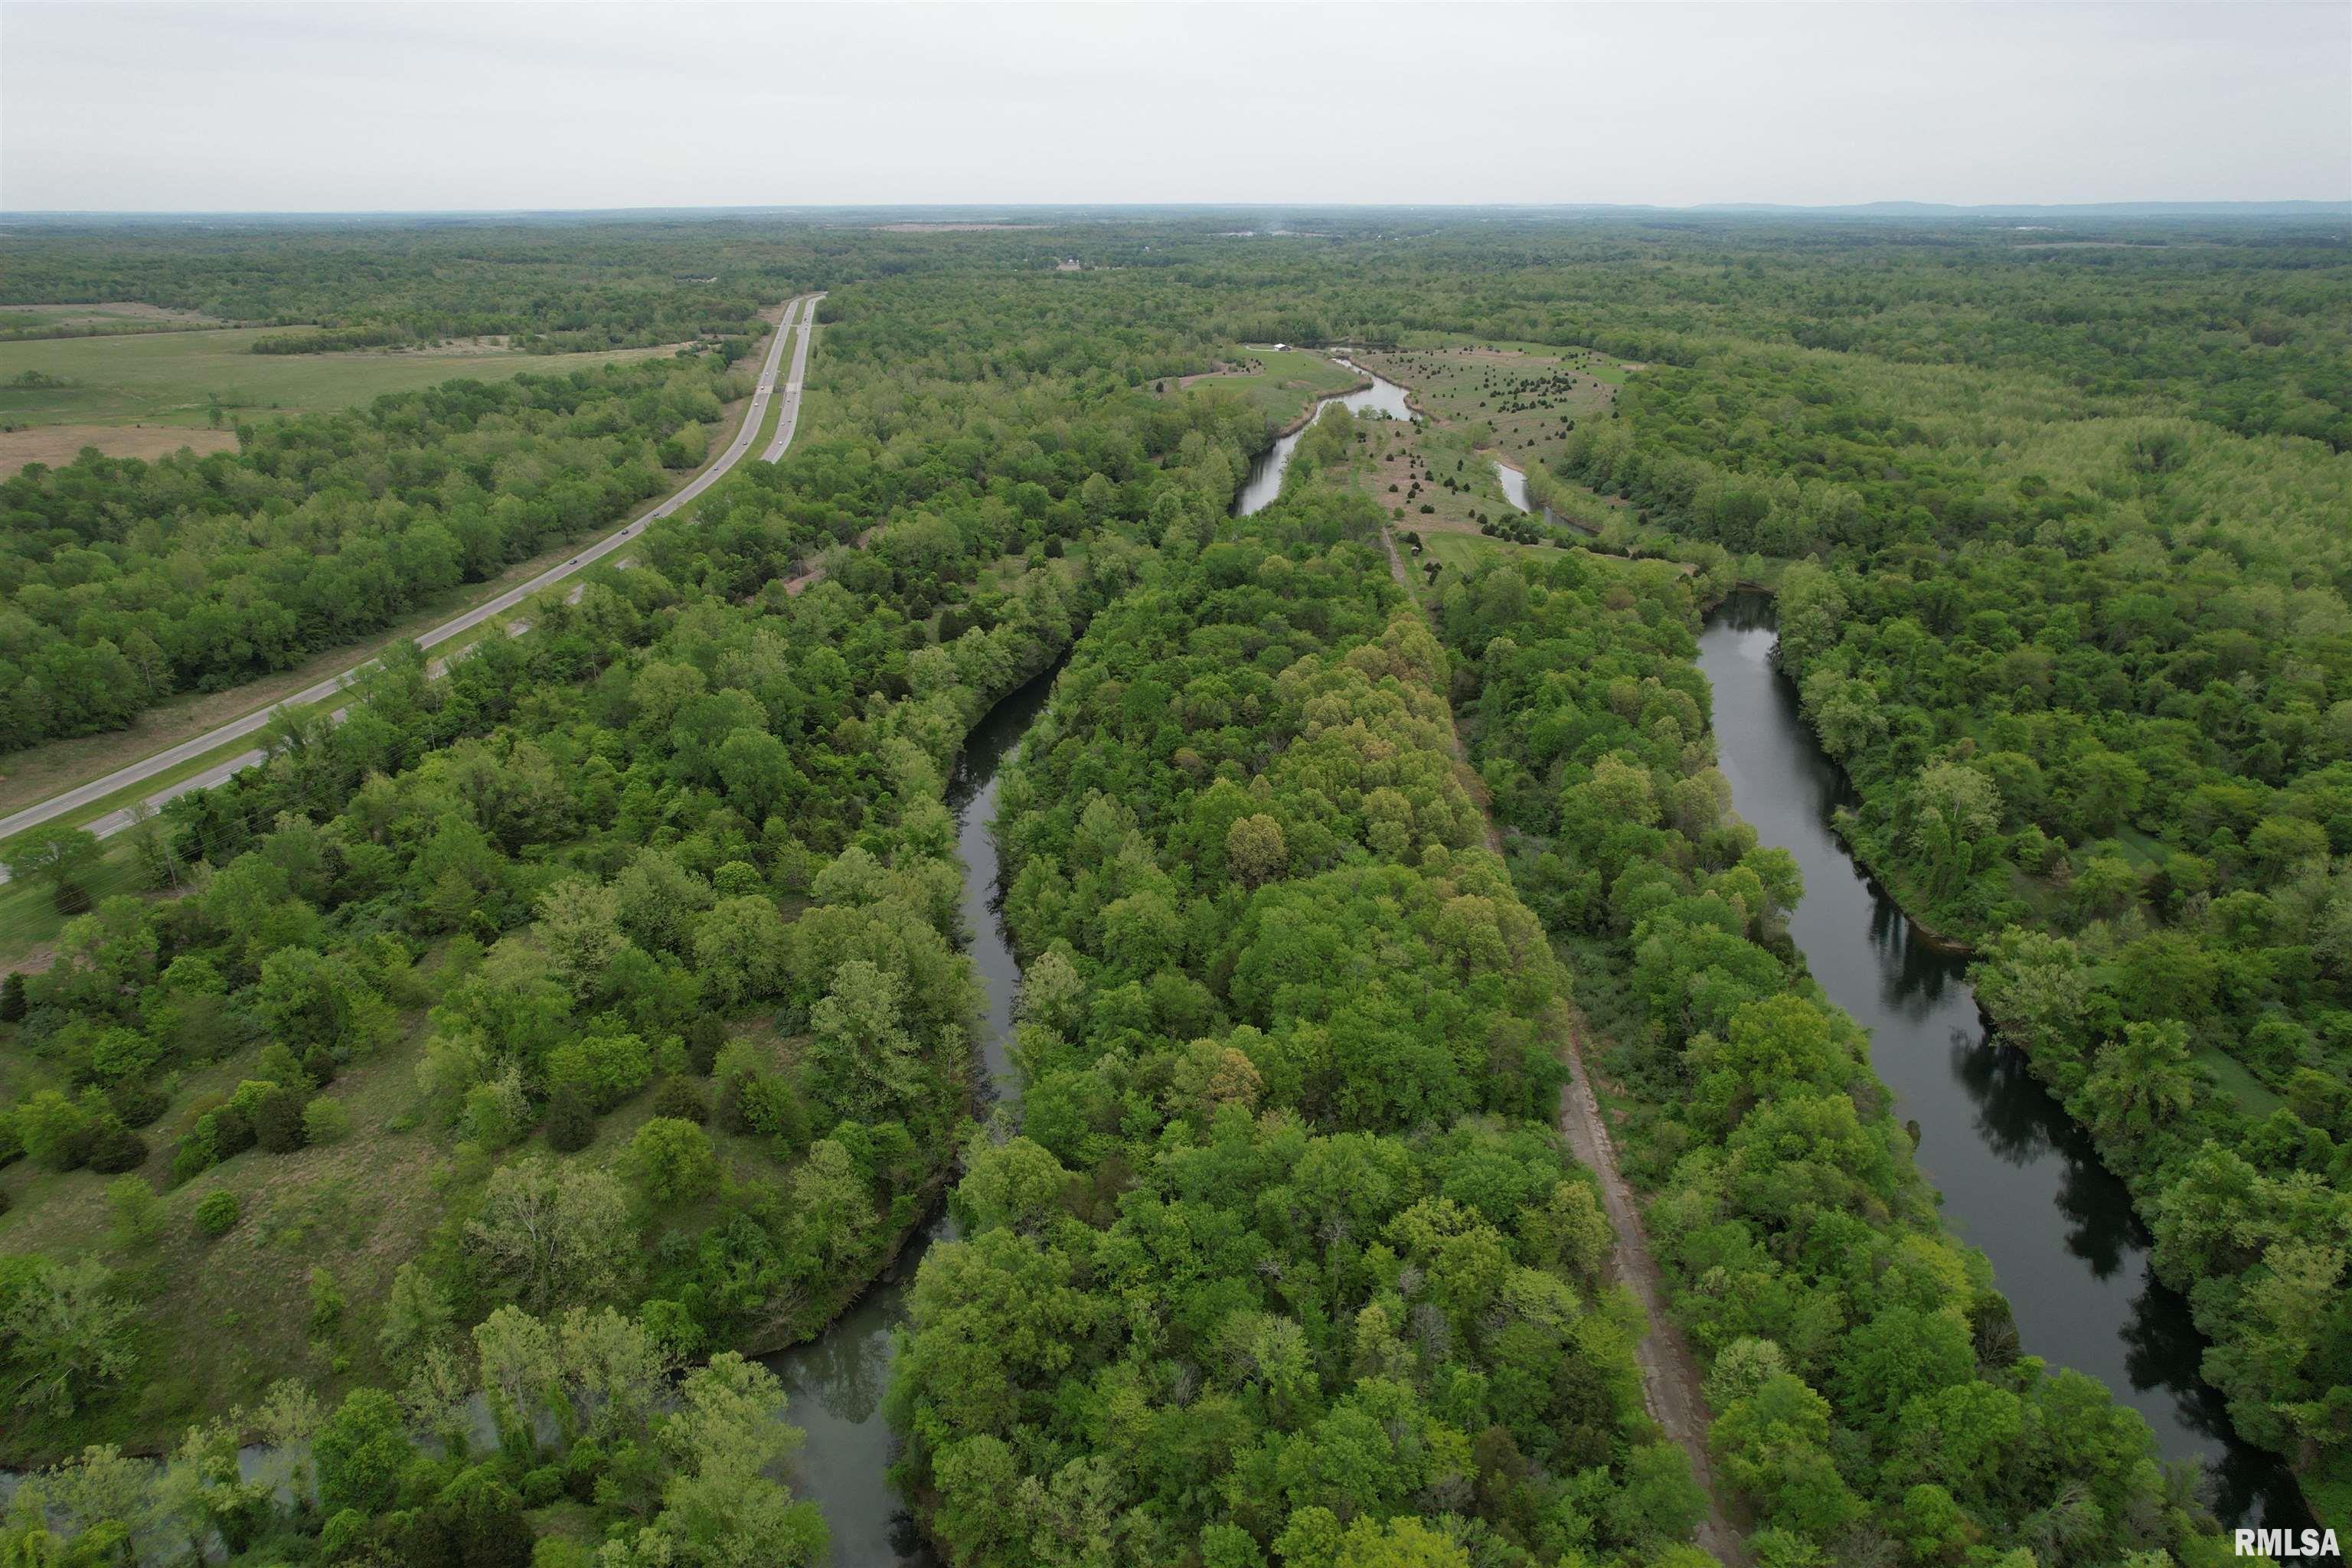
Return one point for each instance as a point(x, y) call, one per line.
point(804, 309)
point(790, 416)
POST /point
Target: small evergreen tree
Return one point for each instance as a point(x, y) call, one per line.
point(571, 1120)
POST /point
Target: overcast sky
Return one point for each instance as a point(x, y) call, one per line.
point(405, 105)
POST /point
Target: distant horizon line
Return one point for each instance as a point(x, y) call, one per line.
point(2281, 207)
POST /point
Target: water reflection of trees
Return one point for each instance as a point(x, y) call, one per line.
point(845, 1372)
point(2162, 1348)
point(2019, 1123)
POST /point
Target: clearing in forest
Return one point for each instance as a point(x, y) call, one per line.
point(1281, 383)
point(1519, 399)
point(174, 378)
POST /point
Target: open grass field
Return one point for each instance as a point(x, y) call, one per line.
point(106, 316)
point(1600, 366)
point(1280, 384)
point(231, 1314)
point(1515, 398)
point(58, 445)
point(1431, 476)
point(171, 378)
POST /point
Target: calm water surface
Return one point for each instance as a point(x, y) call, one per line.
point(2020, 1178)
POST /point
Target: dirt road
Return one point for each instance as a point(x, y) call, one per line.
point(1670, 1377)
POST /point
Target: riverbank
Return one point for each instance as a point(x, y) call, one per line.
point(2021, 1179)
point(835, 1379)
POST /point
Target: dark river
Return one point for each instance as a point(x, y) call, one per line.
point(836, 1382)
point(2020, 1179)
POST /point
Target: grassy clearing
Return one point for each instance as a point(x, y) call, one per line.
point(1515, 398)
point(29, 918)
point(58, 445)
point(108, 316)
point(1601, 367)
point(171, 378)
point(1466, 551)
point(2238, 1082)
point(224, 1318)
point(1279, 384)
point(1411, 468)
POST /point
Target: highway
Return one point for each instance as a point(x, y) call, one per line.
point(803, 308)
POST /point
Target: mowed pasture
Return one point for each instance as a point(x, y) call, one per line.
point(1280, 384)
point(175, 378)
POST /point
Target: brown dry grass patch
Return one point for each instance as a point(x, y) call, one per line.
point(58, 445)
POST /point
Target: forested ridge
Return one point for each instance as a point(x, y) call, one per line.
point(1868, 1389)
point(2087, 658)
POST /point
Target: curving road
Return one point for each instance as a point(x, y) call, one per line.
point(804, 308)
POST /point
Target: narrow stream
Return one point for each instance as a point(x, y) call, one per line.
point(834, 1384)
point(2019, 1177)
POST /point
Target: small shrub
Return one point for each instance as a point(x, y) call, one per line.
point(327, 1301)
point(217, 1215)
point(191, 1157)
point(277, 1121)
point(682, 1099)
point(232, 1133)
point(137, 1212)
point(326, 1121)
point(571, 1120)
point(673, 1161)
point(117, 1149)
point(138, 1104)
point(702, 1043)
point(609, 1068)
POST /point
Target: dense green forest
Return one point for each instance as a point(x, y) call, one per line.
point(1866, 1381)
point(1285, 1253)
point(548, 286)
point(615, 968)
point(575, 1018)
point(2074, 620)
